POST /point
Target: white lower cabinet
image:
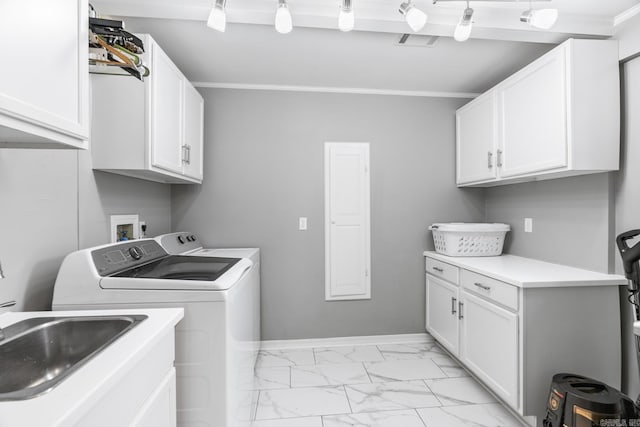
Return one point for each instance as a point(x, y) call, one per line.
point(492, 356)
point(442, 312)
point(514, 322)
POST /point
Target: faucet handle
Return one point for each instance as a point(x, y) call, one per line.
point(7, 304)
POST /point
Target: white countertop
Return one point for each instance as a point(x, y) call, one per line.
point(82, 387)
point(530, 273)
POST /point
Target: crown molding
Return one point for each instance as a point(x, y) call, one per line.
point(343, 90)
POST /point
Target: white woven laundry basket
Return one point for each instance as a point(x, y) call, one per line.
point(469, 239)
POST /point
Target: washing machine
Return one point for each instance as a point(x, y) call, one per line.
point(218, 339)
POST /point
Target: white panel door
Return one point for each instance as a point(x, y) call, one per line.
point(476, 138)
point(347, 230)
point(489, 345)
point(166, 112)
point(193, 131)
point(533, 122)
point(442, 312)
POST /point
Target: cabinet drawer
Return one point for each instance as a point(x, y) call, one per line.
point(500, 292)
point(442, 270)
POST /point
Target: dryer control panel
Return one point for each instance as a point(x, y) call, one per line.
point(116, 258)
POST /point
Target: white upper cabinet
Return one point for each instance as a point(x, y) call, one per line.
point(44, 98)
point(559, 116)
point(476, 135)
point(150, 130)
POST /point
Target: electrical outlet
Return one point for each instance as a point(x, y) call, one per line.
point(302, 223)
point(528, 225)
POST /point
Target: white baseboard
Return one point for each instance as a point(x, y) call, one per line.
point(346, 341)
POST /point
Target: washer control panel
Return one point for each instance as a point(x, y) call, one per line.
point(122, 256)
point(179, 243)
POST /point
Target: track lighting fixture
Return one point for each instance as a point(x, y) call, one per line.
point(463, 29)
point(284, 23)
point(346, 19)
point(218, 17)
point(416, 19)
point(540, 18)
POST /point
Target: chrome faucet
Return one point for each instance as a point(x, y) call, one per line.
point(3, 305)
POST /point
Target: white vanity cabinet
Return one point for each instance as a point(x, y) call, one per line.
point(150, 130)
point(514, 322)
point(44, 96)
point(558, 116)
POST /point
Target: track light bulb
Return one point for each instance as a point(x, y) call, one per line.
point(218, 18)
point(540, 18)
point(284, 23)
point(464, 27)
point(346, 18)
point(416, 19)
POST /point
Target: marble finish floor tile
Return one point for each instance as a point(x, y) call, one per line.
point(288, 357)
point(404, 370)
point(328, 374)
point(361, 353)
point(459, 391)
point(390, 396)
point(485, 415)
point(272, 377)
point(450, 366)
point(410, 351)
point(302, 402)
point(406, 418)
point(290, 422)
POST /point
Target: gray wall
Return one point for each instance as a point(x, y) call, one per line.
point(264, 169)
point(52, 203)
point(571, 219)
point(627, 207)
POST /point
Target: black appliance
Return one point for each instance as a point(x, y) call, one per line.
point(577, 401)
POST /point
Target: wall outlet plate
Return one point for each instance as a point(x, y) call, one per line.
point(528, 225)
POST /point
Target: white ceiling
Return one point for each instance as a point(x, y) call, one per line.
point(315, 54)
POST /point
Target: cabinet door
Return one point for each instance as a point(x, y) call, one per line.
point(489, 345)
point(442, 312)
point(159, 410)
point(165, 111)
point(476, 136)
point(44, 85)
point(193, 131)
point(533, 118)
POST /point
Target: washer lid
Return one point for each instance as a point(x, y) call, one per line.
point(168, 278)
point(178, 267)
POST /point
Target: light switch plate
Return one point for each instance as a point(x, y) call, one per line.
point(302, 223)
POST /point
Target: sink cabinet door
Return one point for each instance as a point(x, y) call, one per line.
point(442, 312)
point(160, 408)
point(489, 345)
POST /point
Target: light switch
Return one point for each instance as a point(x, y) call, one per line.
point(528, 225)
point(302, 223)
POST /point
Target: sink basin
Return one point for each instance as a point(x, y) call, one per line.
point(37, 354)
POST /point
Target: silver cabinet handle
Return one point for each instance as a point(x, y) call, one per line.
point(188, 154)
point(438, 269)
point(481, 286)
point(499, 158)
point(489, 159)
point(460, 305)
point(184, 153)
point(453, 305)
